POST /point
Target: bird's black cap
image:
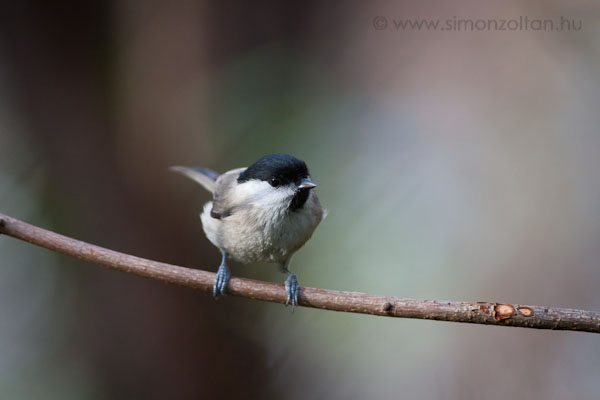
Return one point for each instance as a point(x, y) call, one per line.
point(284, 167)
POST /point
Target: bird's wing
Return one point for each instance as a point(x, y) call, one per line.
point(205, 177)
point(223, 204)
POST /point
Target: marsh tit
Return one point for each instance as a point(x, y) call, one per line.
point(263, 213)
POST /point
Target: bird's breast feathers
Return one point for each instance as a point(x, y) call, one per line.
point(261, 227)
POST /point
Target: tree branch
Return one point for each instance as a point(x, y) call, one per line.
point(487, 313)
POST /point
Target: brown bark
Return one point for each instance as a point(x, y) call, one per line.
point(488, 313)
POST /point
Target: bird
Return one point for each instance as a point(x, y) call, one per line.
point(260, 214)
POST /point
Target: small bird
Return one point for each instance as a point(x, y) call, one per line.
point(263, 213)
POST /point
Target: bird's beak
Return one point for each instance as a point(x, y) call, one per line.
point(306, 183)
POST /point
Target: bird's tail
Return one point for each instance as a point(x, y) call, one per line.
point(206, 177)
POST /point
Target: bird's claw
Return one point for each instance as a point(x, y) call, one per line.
point(291, 288)
point(221, 280)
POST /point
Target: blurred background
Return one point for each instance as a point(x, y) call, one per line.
point(456, 165)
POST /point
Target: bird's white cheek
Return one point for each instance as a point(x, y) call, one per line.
point(264, 196)
point(275, 199)
point(247, 191)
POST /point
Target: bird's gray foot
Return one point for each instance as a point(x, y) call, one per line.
point(291, 288)
point(222, 278)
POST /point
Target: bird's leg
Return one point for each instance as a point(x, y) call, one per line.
point(291, 285)
point(222, 278)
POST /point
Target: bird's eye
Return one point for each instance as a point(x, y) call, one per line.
point(274, 182)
